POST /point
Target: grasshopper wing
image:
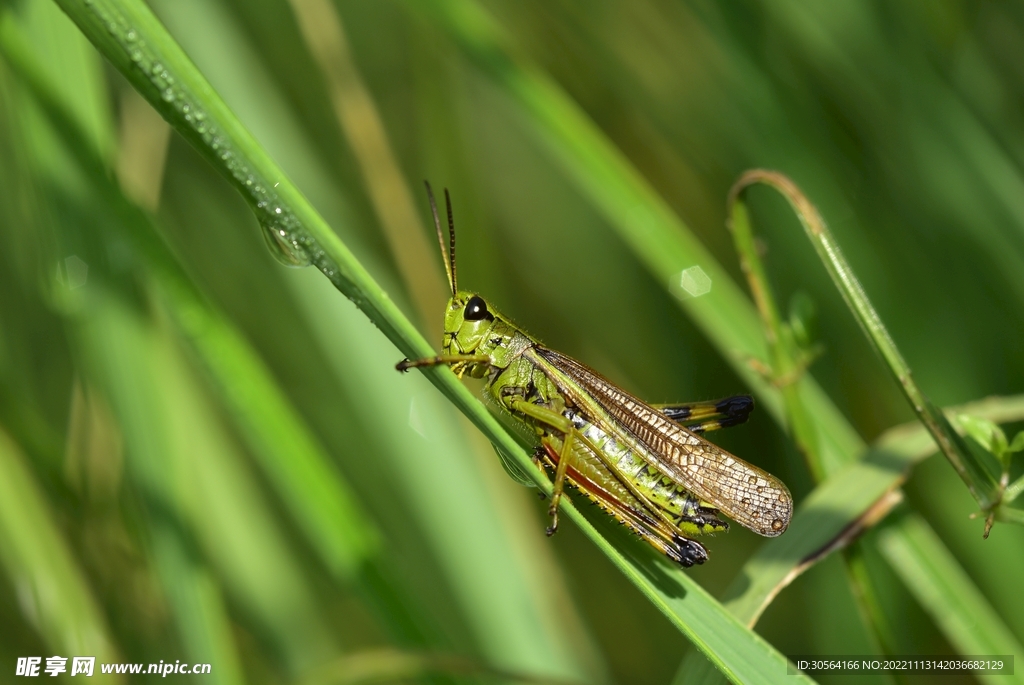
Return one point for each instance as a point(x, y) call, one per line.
point(750, 496)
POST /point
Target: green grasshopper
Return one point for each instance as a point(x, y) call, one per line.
point(638, 462)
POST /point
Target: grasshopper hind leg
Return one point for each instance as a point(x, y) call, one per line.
point(557, 458)
point(680, 549)
point(704, 417)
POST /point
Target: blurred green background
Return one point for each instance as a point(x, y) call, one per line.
point(180, 413)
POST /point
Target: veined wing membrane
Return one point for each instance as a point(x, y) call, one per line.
point(750, 496)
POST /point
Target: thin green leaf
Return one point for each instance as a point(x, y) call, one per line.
point(1017, 445)
point(295, 463)
point(195, 487)
point(202, 617)
point(985, 433)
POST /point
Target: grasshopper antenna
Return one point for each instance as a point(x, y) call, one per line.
point(451, 241)
point(449, 263)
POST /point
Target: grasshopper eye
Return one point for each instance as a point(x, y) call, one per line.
point(476, 309)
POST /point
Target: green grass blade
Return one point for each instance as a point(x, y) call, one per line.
point(295, 463)
point(135, 42)
point(200, 613)
point(194, 483)
point(947, 593)
point(39, 561)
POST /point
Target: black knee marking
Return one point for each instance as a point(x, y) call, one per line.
point(686, 552)
point(739, 407)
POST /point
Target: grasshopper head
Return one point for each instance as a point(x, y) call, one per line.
point(467, 322)
point(468, 319)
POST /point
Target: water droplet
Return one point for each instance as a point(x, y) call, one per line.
point(285, 250)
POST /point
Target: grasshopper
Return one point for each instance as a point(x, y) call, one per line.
point(646, 465)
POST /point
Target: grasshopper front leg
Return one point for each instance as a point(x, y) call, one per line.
point(552, 419)
point(442, 359)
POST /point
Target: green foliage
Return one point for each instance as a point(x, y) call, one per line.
point(992, 437)
point(207, 456)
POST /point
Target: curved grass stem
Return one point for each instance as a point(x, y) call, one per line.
point(980, 482)
point(787, 365)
